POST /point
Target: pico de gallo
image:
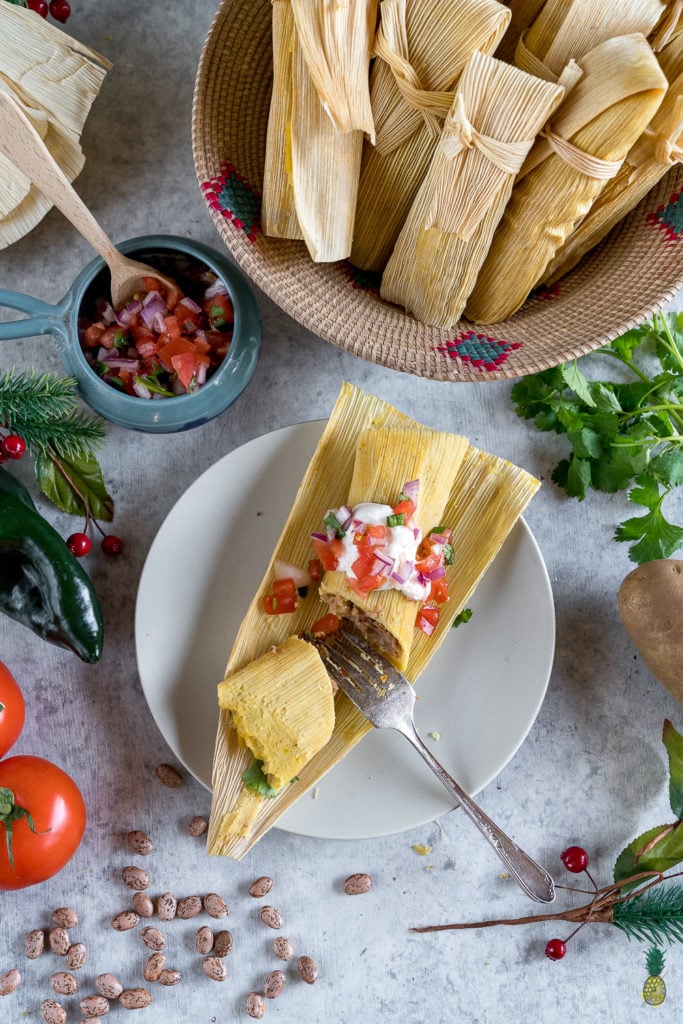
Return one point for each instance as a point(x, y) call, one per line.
point(165, 342)
point(378, 547)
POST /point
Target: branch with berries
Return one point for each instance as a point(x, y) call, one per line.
point(60, 10)
point(634, 901)
point(39, 415)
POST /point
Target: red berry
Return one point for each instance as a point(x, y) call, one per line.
point(13, 446)
point(78, 544)
point(112, 545)
point(39, 6)
point(60, 10)
point(575, 859)
point(555, 949)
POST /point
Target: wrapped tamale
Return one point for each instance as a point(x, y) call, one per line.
point(421, 49)
point(492, 125)
point(523, 12)
point(655, 152)
point(320, 110)
point(487, 496)
point(583, 147)
point(386, 458)
point(55, 80)
point(670, 25)
point(567, 29)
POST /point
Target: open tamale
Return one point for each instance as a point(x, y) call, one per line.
point(567, 29)
point(492, 125)
point(653, 155)
point(320, 110)
point(387, 457)
point(421, 47)
point(584, 146)
point(486, 498)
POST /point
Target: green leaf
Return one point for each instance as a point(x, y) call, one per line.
point(464, 616)
point(84, 475)
point(667, 467)
point(655, 536)
point(627, 343)
point(605, 398)
point(580, 385)
point(532, 393)
point(658, 849)
point(587, 443)
point(673, 741)
point(254, 778)
point(617, 467)
point(578, 478)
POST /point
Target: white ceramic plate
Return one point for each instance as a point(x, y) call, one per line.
point(481, 693)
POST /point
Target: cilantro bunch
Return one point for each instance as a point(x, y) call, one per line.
point(625, 433)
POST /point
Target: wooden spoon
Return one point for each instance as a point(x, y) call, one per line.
point(22, 144)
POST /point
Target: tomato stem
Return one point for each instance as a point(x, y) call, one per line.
point(11, 812)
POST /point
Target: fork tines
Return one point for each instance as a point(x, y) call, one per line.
point(352, 661)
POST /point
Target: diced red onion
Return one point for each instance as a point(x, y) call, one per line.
point(286, 571)
point(411, 490)
point(102, 353)
point(159, 325)
point(344, 514)
point(435, 574)
point(331, 533)
point(319, 536)
point(438, 538)
point(398, 578)
point(122, 363)
point(416, 533)
point(108, 315)
point(217, 288)
point(201, 374)
point(376, 541)
point(124, 318)
point(150, 310)
point(358, 526)
point(141, 391)
point(406, 569)
point(189, 303)
point(152, 297)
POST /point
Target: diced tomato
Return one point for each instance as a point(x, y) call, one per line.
point(329, 623)
point(219, 310)
point(93, 335)
point(428, 563)
point(275, 604)
point(366, 584)
point(376, 532)
point(146, 349)
point(174, 348)
point(111, 335)
point(406, 507)
point(328, 552)
point(315, 570)
point(141, 334)
point(171, 296)
point(439, 590)
point(284, 588)
point(364, 563)
point(172, 327)
point(186, 313)
point(185, 365)
point(427, 618)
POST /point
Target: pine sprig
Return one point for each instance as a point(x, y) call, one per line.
point(652, 916)
point(33, 395)
point(75, 435)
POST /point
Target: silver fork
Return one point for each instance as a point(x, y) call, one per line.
point(386, 698)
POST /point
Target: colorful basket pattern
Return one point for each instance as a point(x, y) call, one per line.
point(633, 273)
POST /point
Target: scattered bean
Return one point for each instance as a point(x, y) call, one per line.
point(255, 1006)
point(283, 948)
point(10, 981)
point(59, 941)
point(167, 906)
point(203, 940)
point(75, 957)
point(222, 943)
point(124, 921)
point(142, 904)
point(189, 906)
point(64, 983)
point(261, 886)
point(154, 965)
point(215, 905)
point(52, 1012)
point(308, 969)
point(167, 774)
point(214, 968)
point(153, 939)
point(34, 943)
point(65, 917)
point(135, 878)
point(135, 998)
point(271, 917)
point(356, 885)
point(274, 984)
point(140, 842)
point(197, 826)
point(94, 1006)
point(169, 977)
point(108, 985)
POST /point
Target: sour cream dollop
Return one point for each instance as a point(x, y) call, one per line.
point(400, 546)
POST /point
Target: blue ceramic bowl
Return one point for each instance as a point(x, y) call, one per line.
point(164, 415)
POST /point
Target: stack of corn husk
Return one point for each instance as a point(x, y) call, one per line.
point(55, 80)
point(320, 109)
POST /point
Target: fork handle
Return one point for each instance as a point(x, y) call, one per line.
point(533, 879)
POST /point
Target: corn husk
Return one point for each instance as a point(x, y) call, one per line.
point(278, 210)
point(387, 457)
point(523, 13)
point(429, 41)
point(320, 108)
point(568, 29)
point(655, 152)
point(669, 26)
point(55, 80)
point(487, 496)
point(449, 229)
point(602, 117)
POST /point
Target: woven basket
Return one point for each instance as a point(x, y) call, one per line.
point(634, 272)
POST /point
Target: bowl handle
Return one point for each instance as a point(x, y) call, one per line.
point(43, 318)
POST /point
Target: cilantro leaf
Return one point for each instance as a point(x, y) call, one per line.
point(580, 385)
point(655, 536)
point(254, 778)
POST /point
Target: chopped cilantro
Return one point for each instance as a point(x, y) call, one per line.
point(254, 778)
point(448, 554)
point(464, 616)
point(396, 520)
point(625, 434)
point(121, 338)
point(334, 524)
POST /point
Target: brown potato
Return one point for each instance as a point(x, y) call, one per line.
point(651, 608)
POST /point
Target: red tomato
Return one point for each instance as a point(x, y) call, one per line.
point(328, 552)
point(329, 623)
point(54, 802)
point(439, 590)
point(315, 570)
point(279, 605)
point(284, 588)
point(427, 619)
point(406, 507)
point(12, 710)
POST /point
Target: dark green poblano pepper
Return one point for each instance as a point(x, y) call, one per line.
point(42, 585)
